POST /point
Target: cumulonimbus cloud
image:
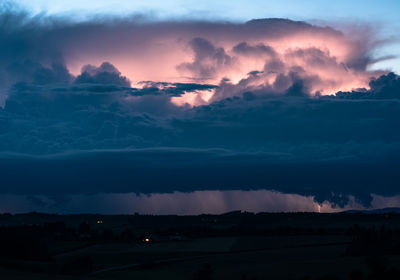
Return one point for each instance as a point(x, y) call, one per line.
point(107, 101)
point(267, 55)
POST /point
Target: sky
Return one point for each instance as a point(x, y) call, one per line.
point(177, 107)
point(385, 10)
point(381, 14)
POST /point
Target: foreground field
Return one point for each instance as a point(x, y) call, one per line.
point(270, 264)
point(229, 258)
point(238, 246)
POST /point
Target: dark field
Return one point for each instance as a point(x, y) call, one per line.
point(235, 245)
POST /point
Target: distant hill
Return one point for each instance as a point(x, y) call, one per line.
point(375, 211)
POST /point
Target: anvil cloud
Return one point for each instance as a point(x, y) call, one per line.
point(133, 106)
point(268, 55)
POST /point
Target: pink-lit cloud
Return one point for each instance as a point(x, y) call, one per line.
point(262, 56)
point(279, 51)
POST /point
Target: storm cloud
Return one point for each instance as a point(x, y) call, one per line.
point(133, 106)
point(43, 49)
point(87, 142)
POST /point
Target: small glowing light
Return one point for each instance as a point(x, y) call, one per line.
point(99, 221)
point(147, 240)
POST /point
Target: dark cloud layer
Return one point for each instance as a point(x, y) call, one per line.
point(164, 170)
point(64, 141)
point(92, 132)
